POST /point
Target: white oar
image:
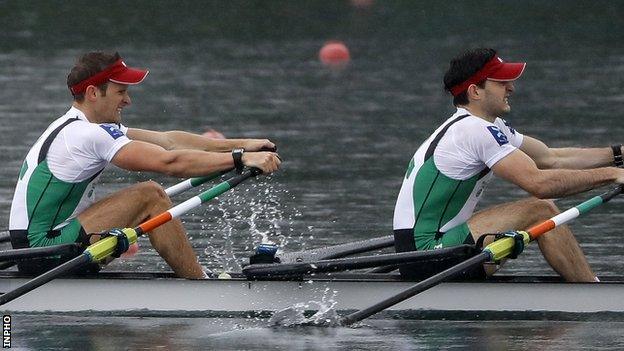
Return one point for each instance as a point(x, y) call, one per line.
point(191, 183)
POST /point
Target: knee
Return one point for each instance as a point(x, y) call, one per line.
point(152, 193)
point(544, 208)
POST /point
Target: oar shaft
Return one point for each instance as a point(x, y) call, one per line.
point(572, 213)
point(46, 277)
point(342, 264)
point(195, 201)
point(191, 183)
point(22, 254)
point(417, 288)
point(337, 251)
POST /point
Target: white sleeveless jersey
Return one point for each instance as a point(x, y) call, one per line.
point(446, 177)
point(57, 185)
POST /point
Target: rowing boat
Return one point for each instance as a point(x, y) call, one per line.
point(309, 280)
point(130, 293)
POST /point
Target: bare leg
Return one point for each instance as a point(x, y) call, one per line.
point(130, 207)
point(559, 246)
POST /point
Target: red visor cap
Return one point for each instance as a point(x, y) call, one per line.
point(495, 69)
point(509, 71)
point(118, 73)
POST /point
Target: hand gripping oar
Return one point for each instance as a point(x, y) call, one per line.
point(105, 247)
point(495, 251)
point(197, 181)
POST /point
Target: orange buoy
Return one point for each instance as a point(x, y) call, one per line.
point(334, 53)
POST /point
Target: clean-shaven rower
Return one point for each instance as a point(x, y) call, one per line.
point(54, 201)
point(448, 173)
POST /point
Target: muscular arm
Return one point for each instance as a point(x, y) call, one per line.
point(566, 158)
point(520, 169)
point(178, 140)
point(143, 156)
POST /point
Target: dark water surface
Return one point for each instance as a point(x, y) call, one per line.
point(101, 333)
point(249, 69)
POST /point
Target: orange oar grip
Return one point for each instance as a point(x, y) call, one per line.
point(155, 222)
point(541, 228)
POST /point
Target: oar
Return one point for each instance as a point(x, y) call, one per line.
point(293, 270)
point(27, 253)
point(493, 252)
point(105, 247)
point(337, 251)
point(191, 183)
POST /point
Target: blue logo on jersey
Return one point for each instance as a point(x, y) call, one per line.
point(499, 136)
point(511, 129)
point(112, 130)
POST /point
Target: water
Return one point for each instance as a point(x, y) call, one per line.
point(249, 69)
point(101, 333)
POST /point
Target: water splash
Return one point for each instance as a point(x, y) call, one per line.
point(236, 222)
point(294, 316)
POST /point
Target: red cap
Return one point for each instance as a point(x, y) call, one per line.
point(495, 69)
point(118, 72)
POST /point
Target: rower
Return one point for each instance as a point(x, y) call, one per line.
point(447, 175)
point(54, 201)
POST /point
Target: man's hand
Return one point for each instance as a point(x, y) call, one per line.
point(258, 144)
point(268, 162)
point(620, 175)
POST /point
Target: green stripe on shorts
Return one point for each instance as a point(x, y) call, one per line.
point(69, 234)
point(453, 237)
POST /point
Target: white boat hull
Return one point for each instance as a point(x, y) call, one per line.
point(144, 293)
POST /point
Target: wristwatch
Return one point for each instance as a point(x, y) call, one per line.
point(617, 155)
point(237, 155)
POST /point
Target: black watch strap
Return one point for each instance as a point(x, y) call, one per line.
point(617, 155)
point(237, 155)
